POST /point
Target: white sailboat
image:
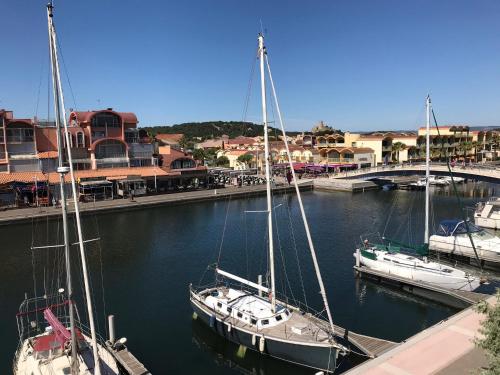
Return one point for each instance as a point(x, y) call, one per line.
point(388, 258)
point(52, 338)
point(251, 314)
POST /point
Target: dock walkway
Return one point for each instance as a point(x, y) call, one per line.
point(455, 298)
point(128, 361)
point(27, 214)
point(371, 346)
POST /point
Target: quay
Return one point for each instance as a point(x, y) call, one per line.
point(454, 298)
point(446, 348)
point(28, 214)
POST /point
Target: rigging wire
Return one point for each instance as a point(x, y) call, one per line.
point(249, 88)
point(462, 211)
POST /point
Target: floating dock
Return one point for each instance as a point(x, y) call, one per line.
point(371, 346)
point(128, 361)
point(337, 184)
point(454, 298)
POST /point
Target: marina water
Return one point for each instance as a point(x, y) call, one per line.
point(148, 258)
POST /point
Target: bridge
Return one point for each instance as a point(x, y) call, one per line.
point(487, 173)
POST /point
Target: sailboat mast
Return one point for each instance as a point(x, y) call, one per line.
point(62, 172)
point(262, 52)
point(427, 167)
point(88, 297)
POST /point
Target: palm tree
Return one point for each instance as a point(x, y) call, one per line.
point(396, 148)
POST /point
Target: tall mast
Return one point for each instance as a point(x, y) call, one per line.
point(427, 167)
point(88, 297)
point(301, 205)
point(262, 52)
point(62, 170)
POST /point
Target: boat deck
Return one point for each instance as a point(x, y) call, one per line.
point(314, 331)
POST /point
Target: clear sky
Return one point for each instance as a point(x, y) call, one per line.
point(358, 65)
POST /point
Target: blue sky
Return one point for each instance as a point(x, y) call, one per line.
point(358, 65)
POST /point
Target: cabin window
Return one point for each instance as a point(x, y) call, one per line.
point(239, 315)
point(278, 318)
point(253, 321)
point(287, 312)
point(229, 309)
point(265, 322)
point(219, 304)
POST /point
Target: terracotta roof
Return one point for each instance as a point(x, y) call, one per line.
point(169, 137)
point(241, 141)
point(47, 155)
point(53, 177)
point(85, 117)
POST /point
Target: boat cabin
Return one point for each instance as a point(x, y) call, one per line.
point(248, 308)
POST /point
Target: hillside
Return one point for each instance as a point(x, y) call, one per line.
point(214, 129)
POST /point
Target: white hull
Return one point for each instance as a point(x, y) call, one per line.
point(461, 245)
point(487, 215)
point(57, 362)
point(416, 269)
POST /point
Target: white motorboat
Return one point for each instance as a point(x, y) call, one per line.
point(452, 237)
point(487, 214)
point(250, 314)
point(416, 267)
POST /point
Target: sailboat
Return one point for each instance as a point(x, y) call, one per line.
point(52, 338)
point(250, 314)
point(387, 257)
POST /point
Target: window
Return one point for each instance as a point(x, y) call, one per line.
point(17, 135)
point(265, 322)
point(229, 309)
point(287, 312)
point(219, 304)
point(278, 318)
point(239, 315)
point(253, 321)
point(182, 163)
point(80, 139)
point(106, 120)
point(110, 149)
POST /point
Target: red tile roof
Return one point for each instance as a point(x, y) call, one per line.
point(47, 155)
point(169, 137)
point(53, 177)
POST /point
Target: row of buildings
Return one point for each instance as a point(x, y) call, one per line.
point(106, 146)
point(359, 150)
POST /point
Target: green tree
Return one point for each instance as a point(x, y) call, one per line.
point(397, 147)
point(490, 329)
point(245, 159)
point(222, 161)
point(199, 154)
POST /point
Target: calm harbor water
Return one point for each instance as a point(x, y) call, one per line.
point(149, 257)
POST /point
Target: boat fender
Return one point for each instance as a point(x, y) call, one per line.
point(212, 321)
point(195, 315)
point(254, 340)
point(262, 343)
point(229, 327)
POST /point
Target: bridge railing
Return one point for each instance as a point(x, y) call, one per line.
point(479, 169)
